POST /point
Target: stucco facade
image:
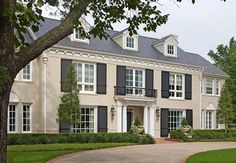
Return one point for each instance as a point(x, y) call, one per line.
point(43, 92)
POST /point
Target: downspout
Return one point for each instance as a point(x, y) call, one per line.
point(44, 91)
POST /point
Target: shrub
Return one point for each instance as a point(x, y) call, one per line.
point(137, 121)
point(179, 135)
point(14, 139)
point(184, 122)
point(205, 135)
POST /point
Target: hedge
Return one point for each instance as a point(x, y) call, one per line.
point(206, 135)
point(14, 139)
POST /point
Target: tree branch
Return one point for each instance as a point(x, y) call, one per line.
point(53, 36)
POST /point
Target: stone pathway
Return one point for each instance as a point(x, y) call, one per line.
point(156, 153)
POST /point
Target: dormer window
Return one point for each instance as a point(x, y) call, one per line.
point(77, 37)
point(170, 49)
point(130, 42)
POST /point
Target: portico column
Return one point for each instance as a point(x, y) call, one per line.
point(152, 118)
point(124, 118)
point(119, 118)
point(145, 119)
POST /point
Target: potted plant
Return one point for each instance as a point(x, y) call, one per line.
point(137, 128)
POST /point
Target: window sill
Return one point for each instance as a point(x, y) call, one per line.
point(210, 95)
point(23, 81)
point(88, 93)
point(174, 98)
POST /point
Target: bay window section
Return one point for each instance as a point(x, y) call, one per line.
point(12, 118)
point(209, 87)
point(85, 73)
point(206, 119)
point(217, 87)
point(176, 85)
point(85, 123)
point(135, 82)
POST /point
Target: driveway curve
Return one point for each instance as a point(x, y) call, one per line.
point(156, 153)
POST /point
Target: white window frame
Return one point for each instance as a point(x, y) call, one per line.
point(79, 39)
point(30, 111)
point(83, 83)
point(170, 48)
point(212, 81)
point(175, 85)
point(73, 128)
point(8, 119)
point(135, 38)
point(126, 42)
point(31, 70)
point(217, 85)
point(183, 112)
point(166, 50)
point(134, 80)
point(205, 119)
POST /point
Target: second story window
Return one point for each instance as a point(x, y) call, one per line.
point(176, 85)
point(170, 49)
point(26, 73)
point(134, 81)
point(217, 87)
point(85, 76)
point(209, 86)
point(130, 42)
point(77, 37)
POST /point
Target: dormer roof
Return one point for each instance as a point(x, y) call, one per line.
point(163, 39)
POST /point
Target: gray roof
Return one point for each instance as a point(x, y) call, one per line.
point(145, 49)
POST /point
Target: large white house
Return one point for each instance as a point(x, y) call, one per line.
point(119, 79)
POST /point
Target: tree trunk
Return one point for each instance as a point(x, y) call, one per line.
point(5, 90)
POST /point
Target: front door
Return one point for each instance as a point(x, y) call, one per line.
point(129, 120)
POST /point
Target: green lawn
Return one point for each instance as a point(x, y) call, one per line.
point(216, 156)
point(42, 152)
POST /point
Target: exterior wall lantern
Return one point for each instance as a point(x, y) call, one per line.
point(113, 112)
point(157, 112)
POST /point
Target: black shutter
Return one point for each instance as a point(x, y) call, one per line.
point(149, 92)
point(65, 64)
point(64, 127)
point(188, 87)
point(120, 80)
point(164, 122)
point(102, 118)
point(165, 84)
point(189, 117)
point(101, 78)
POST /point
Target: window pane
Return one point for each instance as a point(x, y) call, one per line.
point(26, 72)
point(129, 42)
point(86, 121)
point(209, 87)
point(26, 118)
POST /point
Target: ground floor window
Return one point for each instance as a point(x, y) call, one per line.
point(206, 119)
point(26, 118)
point(85, 122)
point(12, 118)
point(174, 119)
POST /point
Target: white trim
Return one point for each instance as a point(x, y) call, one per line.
point(124, 39)
point(119, 118)
point(152, 121)
point(124, 118)
point(95, 119)
point(85, 54)
point(44, 91)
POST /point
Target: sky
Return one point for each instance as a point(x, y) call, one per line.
point(200, 27)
